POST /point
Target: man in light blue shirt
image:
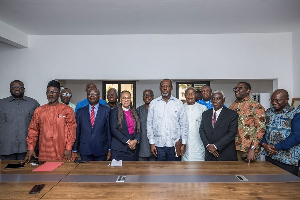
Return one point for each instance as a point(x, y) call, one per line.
point(167, 123)
point(85, 102)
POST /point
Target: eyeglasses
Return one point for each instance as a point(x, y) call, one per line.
point(237, 88)
point(276, 100)
point(92, 94)
point(52, 92)
point(66, 94)
point(17, 87)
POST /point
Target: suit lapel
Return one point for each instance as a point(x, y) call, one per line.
point(97, 116)
point(87, 116)
point(124, 125)
point(209, 118)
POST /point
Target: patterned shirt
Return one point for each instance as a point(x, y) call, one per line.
point(251, 124)
point(167, 122)
point(283, 131)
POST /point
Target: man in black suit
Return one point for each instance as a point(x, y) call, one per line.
point(218, 129)
point(93, 138)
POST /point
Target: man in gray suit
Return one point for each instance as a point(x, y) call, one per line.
point(218, 129)
point(142, 111)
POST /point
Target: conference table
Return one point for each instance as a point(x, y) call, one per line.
point(152, 180)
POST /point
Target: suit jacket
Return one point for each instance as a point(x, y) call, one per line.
point(93, 140)
point(221, 135)
point(119, 138)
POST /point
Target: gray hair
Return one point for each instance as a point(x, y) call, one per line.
point(218, 92)
point(190, 88)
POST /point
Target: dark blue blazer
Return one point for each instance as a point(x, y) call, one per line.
point(93, 140)
point(119, 138)
point(222, 134)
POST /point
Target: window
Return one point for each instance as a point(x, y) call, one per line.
point(182, 86)
point(119, 86)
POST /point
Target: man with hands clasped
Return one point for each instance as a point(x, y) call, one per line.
point(218, 129)
point(281, 141)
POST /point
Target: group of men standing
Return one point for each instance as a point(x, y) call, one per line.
point(170, 130)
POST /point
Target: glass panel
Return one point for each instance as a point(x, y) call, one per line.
point(108, 86)
point(198, 86)
point(181, 90)
point(128, 87)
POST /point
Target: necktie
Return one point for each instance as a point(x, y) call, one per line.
point(214, 120)
point(93, 116)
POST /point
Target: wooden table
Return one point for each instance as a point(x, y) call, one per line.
point(20, 190)
point(191, 180)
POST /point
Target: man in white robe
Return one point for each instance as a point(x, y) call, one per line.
point(195, 150)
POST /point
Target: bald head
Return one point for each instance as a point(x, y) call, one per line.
point(90, 86)
point(283, 92)
point(279, 99)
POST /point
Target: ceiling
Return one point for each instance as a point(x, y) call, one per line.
point(107, 17)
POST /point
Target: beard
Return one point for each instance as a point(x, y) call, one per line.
point(164, 95)
point(18, 96)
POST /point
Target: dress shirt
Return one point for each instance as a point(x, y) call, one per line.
point(283, 131)
point(251, 124)
point(166, 122)
point(85, 102)
point(72, 105)
point(15, 116)
point(96, 107)
point(217, 113)
point(208, 104)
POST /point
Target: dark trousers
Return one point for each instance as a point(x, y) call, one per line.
point(165, 153)
point(15, 156)
point(150, 158)
point(93, 158)
point(290, 168)
point(124, 156)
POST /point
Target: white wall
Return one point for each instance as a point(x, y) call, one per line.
point(296, 63)
point(147, 57)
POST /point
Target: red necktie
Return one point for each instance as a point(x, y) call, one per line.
point(214, 120)
point(93, 116)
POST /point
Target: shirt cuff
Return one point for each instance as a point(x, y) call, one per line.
point(151, 141)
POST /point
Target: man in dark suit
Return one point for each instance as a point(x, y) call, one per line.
point(218, 129)
point(93, 137)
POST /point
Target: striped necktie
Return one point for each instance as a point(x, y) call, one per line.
point(93, 116)
point(214, 120)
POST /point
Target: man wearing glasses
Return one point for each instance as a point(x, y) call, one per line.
point(251, 123)
point(15, 114)
point(54, 125)
point(65, 97)
point(281, 142)
point(93, 139)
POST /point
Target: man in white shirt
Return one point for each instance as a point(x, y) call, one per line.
point(167, 123)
